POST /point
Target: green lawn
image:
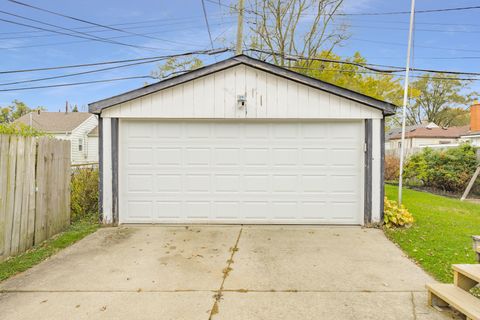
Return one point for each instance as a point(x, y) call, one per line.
point(441, 233)
point(75, 232)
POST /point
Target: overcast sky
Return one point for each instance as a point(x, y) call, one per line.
point(447, 40)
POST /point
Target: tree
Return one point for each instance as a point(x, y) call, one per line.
point(175, 65)
point(75, 108)
point(441, 99)
point(14, 111)
point(293, 27)
point(353, 76)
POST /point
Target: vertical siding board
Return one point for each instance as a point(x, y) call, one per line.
point(219, 94)
point(177, 102)
point(272, 96)
point(198, 98)
point(262, 95)
point(281, 110)
point(230, 93)
point(240, 89)
point(209, 96)
point(251, 92)
point(188, 103)
point(293, 103)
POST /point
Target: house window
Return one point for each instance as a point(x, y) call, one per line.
point(80, 144)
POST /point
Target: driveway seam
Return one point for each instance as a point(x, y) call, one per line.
point(226, 272)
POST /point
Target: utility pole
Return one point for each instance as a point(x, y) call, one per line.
point(240, 27)
point(405, 101)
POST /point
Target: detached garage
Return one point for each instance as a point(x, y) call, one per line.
point(241, 141)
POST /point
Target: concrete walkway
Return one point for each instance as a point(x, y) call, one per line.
point(223, 272)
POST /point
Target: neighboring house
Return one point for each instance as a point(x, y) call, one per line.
point(418, 137)
point(73, 126)
point(242, 141)
point(473, 134)
point(394, 132)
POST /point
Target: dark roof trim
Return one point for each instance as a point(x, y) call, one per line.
point(385, 107)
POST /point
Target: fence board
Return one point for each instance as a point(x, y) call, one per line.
point(10, 193)
point(4, 148)
point(34, 191)
point(30, 180)
point(41, 197)
point(18, 185)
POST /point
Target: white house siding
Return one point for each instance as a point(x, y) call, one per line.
point(92, 149)
point(88, 154)
point(412, 143)
point(473, 139)
point(268, 96)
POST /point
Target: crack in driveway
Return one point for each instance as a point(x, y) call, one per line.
point(226, 272)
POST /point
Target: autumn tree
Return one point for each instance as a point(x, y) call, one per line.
point(441, 99)
point(293, 27)
point(176, 65)
point(14, 111)
point(352, 76)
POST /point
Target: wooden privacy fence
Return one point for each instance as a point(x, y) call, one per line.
point(34, 191)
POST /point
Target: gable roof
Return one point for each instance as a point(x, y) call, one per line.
point(386, 107)
point(396, 131)
point(55, 121)
point(93, 132)
point(425, 132)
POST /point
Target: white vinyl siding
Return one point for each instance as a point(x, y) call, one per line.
point(233, 171)
point(268, 96)
point(80, 133)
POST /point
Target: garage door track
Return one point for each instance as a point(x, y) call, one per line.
point(223, 272)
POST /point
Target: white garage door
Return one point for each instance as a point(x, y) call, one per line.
point(241, 172)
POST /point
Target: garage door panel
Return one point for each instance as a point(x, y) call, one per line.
point(241, 172)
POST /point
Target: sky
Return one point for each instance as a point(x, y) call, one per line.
point(442, 40)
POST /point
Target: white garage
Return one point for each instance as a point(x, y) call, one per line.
point(241, 141)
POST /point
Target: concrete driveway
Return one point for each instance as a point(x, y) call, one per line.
point(223, 272)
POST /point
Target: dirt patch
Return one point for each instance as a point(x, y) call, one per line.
point(118, 235)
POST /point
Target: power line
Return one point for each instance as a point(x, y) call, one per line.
point(376, 73)
point(77, 83)
point(418, 46)
point(368, 66)
point(367, 13)
point(85, 21)
point(176, 21)
point(89, 37)
point(208, 52)
point(80, 73)
point(206, 22)
point(103, 30)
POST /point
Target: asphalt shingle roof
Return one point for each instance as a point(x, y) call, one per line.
point(55, 121)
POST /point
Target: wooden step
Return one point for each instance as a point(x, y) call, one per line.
point(440, 294)
point(466, 276)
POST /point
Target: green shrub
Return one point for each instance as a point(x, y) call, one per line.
point(395, 215)
point(447, 170)
point(20, 129)
point(84, 194)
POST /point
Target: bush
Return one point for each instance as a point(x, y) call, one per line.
point(447, 170)
point(84, 194)
point(20, 129)
point(392, 167)
point(396, 216)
